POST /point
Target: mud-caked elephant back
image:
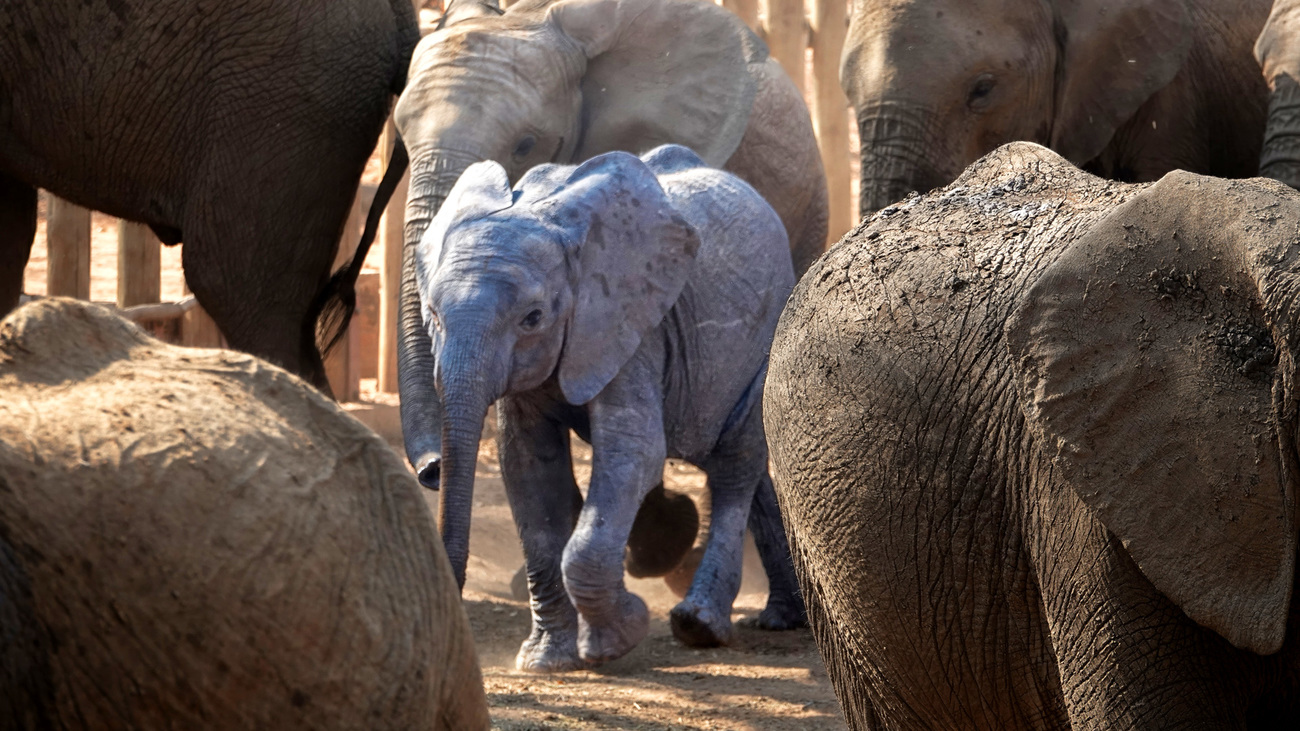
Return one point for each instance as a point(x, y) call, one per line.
point(1155, 364)
point(195, 526)
point(54, 340)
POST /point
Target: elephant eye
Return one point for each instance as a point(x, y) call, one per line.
point(434, 321)
point(531, 320)
point(525, 146)
point(979, 93)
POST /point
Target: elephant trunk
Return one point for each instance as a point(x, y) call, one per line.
point(432, 176)
point(1280, 157)
point(466, 396)
point(898, 155)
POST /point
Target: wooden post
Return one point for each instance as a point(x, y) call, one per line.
point(341, 365)
point(829, 27)
point(786, 39)
point(139, 265)
point(67, 243)
point(391, 235)
point(747, 10)
point(198, 329)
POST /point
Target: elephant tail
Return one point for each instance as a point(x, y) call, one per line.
point(334, 305)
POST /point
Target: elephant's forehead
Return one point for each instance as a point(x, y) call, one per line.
point(508, 54)
point(511, 237)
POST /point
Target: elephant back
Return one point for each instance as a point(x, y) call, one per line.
point(888, 385)
point(206, 541)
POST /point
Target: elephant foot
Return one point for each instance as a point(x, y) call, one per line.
point(663, 533)
point(700, 625)
point(777, 618)
point(549, 652)
point(519, 585)
point(598, 643)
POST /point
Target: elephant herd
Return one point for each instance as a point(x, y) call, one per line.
point(1022, 449)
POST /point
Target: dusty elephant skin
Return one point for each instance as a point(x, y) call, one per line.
point(604, 298)
point(196, 539)
point(561, 81)
point(1131, 90)
point(241, 128)
point(1034, 438)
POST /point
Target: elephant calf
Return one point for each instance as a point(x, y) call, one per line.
point(1034, 437)
point(196, 539)
point(631, 300)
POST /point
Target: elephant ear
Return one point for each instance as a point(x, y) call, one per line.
point(1114, 56)
point(662, 71)
point(1153, 365)
point(483, 189)
point(631, 254)
point(1278, 47)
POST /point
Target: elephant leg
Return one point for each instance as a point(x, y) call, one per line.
point(544, 500)
point(1127, 657)
point(262, 225)
point(735, 468)
point(628, 452)
point(785, 608)
point(17, 230)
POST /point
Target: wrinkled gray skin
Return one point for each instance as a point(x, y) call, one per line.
point(563, 81)
point(606, 298)
point(241, 128)
point(1278, 53)
point(1129, 90)
point(1034, 438)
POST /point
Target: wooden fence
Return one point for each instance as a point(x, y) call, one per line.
point(805, 38)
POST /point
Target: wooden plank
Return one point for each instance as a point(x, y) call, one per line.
point(139, 265)
point(198, 329)
point(67, 241)
point(366, 323)
point(829, 27)
point(747, 10)
point(787, 37)
point(391, 232)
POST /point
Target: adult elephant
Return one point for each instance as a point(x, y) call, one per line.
point(563, 81)
point(195, 539)
point(239, 128)
point(1034, 437)
point(1128, 89)
point(1278, 53)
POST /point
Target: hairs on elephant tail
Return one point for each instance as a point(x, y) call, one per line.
point(335, 304)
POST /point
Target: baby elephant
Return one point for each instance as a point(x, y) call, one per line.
point(633, 301)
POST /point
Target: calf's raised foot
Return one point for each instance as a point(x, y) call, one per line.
point(698, 625)
point(607, 641)
point(549, 652)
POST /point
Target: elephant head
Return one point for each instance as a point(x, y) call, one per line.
point(1278, 53)
point(1156, 361)
point(554, 81)
point(561, 277)
point(937, 85)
